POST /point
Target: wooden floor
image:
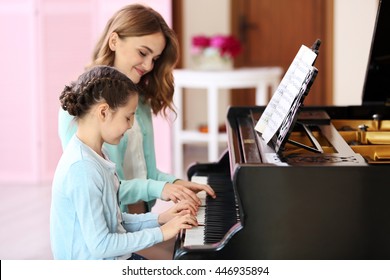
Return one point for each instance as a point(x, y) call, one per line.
point(24, 219)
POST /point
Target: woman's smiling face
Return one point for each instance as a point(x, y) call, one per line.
point(135, 56)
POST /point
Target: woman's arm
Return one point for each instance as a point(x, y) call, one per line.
point(67, 127)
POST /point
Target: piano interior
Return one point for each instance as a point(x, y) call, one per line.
point(368, 138)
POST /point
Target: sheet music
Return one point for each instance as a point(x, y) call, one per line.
point(289, 120)
point(288, 89)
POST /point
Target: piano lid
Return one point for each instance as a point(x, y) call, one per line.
point(376, 89)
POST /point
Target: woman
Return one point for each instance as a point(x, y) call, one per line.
point(138, 42)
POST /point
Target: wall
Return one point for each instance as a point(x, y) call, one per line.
point(19, 112)
point(353, 28)
point(45, 45)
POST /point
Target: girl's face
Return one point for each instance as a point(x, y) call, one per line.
point(135, 56)
point(119, 121)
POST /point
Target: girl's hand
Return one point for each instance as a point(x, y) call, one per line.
point(180, 209)
point(173, 227)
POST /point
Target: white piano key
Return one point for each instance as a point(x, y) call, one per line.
point(202, 194)
point(194, 236)
point(199, 179)
point(201, 215)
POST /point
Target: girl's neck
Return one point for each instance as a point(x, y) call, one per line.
point(96, 147)
point(90, 137)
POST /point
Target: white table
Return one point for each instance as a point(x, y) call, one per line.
point(260, 78)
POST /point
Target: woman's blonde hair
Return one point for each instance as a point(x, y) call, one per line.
point(134, 21)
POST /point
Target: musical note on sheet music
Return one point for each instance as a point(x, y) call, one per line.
point(287, 91)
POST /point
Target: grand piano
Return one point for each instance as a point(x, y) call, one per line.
point(319, 189)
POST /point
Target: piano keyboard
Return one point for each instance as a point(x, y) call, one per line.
point(215, 216)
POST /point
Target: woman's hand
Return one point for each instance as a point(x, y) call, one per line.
point(185, 190)
point(195, 187)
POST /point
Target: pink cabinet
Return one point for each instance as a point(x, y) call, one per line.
point(45, 44)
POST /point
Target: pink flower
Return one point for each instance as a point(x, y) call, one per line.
point(231, 46)
point(200, 41)
point(226, 45)
point(217, 41)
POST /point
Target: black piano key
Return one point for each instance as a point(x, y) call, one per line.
point(221, 213)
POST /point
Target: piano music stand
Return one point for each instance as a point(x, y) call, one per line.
point(294, 74)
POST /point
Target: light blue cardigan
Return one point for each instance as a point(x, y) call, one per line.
point(132, 190)
point(84, 209)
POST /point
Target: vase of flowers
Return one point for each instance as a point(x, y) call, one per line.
point(215, 52)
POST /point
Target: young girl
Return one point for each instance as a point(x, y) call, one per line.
point(85, 221)
point(138, 42)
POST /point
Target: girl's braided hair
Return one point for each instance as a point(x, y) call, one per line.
point(100, 83)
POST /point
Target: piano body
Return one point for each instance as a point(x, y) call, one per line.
point(323, 194)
